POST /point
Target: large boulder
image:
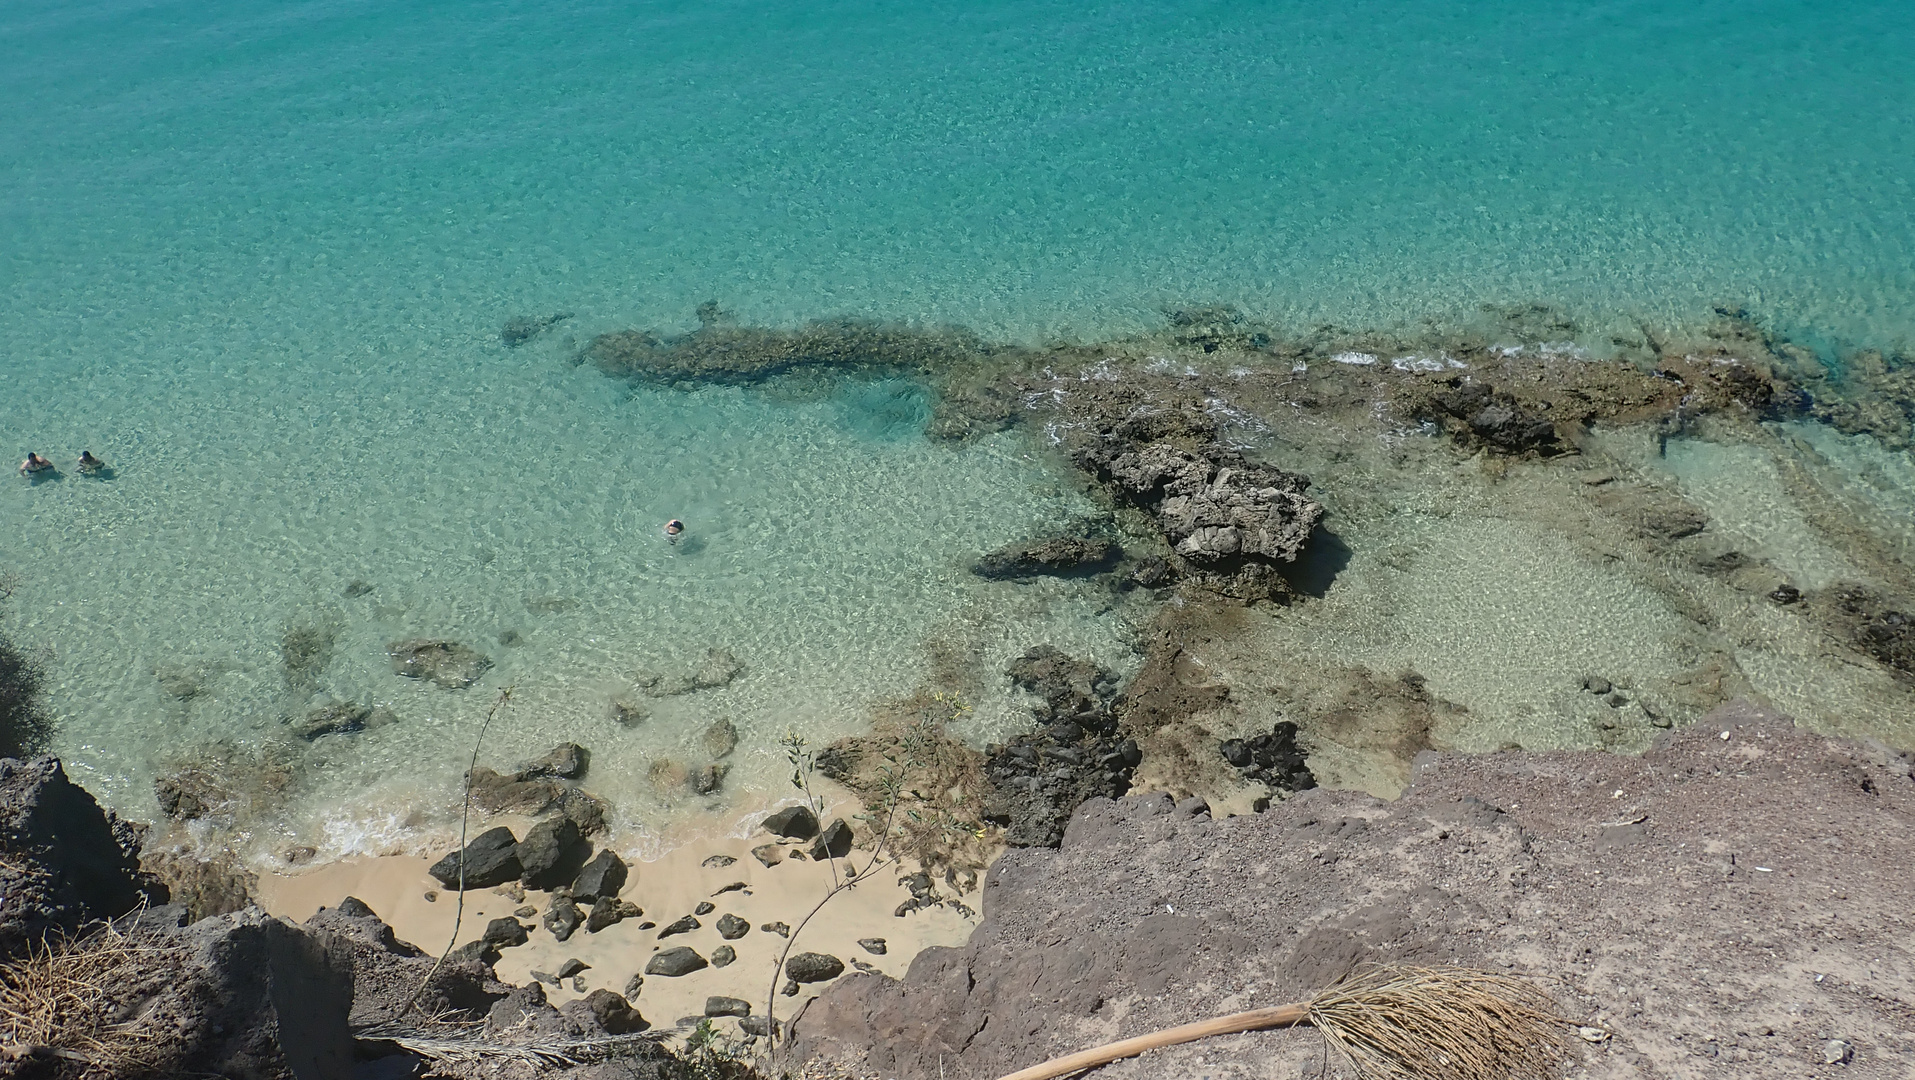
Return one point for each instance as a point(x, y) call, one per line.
point(490, 860)
point(552, 853)
point(601, 878)
point(793, 822)
point(64, 862)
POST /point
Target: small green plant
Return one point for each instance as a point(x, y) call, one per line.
point(710, 1055)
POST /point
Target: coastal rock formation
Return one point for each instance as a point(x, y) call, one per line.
point(1075, 753)
point(64, 862)
point(1730, 905)
point(1057, 555)
point(1273, 759)
point(443, 663)
point(534, 791)
point(720, 352)
point(552, 853)
point(386, 971)
point(793, 823)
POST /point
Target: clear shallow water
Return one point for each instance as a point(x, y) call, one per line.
point(256, 255)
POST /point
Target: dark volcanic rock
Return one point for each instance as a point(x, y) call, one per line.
point(491, 859)
point(1056, 555)
point(563, 917)
point(602, 877)
point(504, 933)
point(1075, 753)
point(552, 853)
point(609, 911)
point(445, 663)
point(731, 927)
point(675, 962)
point(727, 1006)
point(722, 955)
point(811, 967)
point(64, 862)
point(794, 822)
point(611, 1013)
point(683, 926)
point(1479, 415)
point(834, 842)
point(1274, 759)
point(262, 1000)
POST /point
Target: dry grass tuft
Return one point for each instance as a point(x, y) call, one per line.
point(61, 1000)
point(1444, 1023)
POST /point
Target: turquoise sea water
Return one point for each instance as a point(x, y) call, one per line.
point(256, 255)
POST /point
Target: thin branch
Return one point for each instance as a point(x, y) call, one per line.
point(465, 819)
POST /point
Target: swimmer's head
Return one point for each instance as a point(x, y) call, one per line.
point(674, 527)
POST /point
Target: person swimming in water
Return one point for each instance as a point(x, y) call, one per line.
point(34, 465)
point(90, 465)
point(674, 529)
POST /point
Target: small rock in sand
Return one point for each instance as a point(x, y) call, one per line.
point(572, 967)
point(813, 967)
point(873, 945)
point(562, 917)
point(769, 854)
point(504, 933)
point(673, 963)
point(633, 985)
point(733, 887)
point(722, 955)
point(731, 927)
point(776, 928)
point(683, 926)
point(790, 989)
point(717, 862)
point(1837, 1052)
point(544, 976)
point(526, 912)
point(578, 983)
point(727, 1006)
point(705, 907)
point(609, 911)
point(759, 1026)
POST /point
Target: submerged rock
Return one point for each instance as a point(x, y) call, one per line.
point(719, 739)
point(444, 663)
point(566, 761)
point(520, 329)
point(345, 718)
point(1056, 555)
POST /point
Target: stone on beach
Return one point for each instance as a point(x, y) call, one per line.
point(811, 967)
point(834, 842)
point(490, 860)
point(563, 917)
point(603, 876)
point(793, 822)
point(673, 963)
point(727, 1006)
point(731, 927)
point(551, 854)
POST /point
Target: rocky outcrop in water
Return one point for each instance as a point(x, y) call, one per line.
point(540, 787)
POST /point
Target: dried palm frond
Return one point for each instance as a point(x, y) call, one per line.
point(1392, 1023)
point(60, 999)
point(454, 1049)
